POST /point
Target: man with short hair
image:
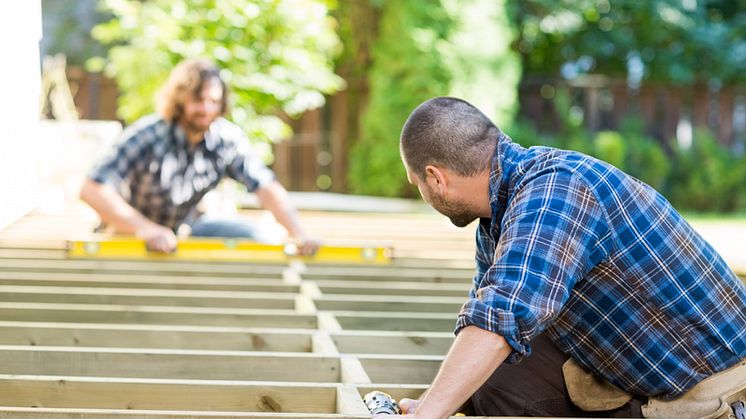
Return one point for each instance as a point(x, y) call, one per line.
point(152, 182)
point(576, 261)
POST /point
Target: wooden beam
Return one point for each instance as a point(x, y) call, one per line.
point(169, 364)
point(349, 401)
point(415, 304)
point(71, 413)
point(241, 270)
point(103, 313)
point(352, 371)
point(156, 336)
point(398, 370)
point(6, 253)
point(380, 342)
point(332, 287)
point(120, 280)
point(397, 391)
point(146, 297)
point(426, 322)
point(162, 394)
point(328, 322)
point(322, 343)
point(392, 273)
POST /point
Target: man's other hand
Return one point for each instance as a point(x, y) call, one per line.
point(408, 406)
point(308, 247)
point(302, 247)
point(158, 238)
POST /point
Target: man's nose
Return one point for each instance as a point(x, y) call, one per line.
point(210, 105)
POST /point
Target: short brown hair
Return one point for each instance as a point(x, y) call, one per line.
point(449, 132)
point(187, 80)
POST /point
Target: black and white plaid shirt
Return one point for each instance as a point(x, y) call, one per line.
point(164, 178)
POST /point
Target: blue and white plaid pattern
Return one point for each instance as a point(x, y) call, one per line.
point(603, 263)
point(164, 178)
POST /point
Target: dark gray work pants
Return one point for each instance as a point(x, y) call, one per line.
point(535, 387)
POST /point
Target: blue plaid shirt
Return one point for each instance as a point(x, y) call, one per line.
point(161, 176)
point(607, 268)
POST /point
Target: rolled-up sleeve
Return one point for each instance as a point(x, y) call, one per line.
point(122, 158)
point(551, 237)
point(247, 168)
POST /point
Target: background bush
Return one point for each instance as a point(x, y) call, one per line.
point(702, 177)
point(277, 56)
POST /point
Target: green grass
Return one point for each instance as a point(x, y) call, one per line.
point(715, 217)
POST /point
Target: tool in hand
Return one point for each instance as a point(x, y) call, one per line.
point(380, 403)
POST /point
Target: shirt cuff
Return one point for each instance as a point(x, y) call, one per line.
point(476, 313)
point(105, 178)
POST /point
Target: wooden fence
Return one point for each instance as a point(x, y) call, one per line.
point(605, 103)
point(315, 158)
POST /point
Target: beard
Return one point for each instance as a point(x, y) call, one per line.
point(459, 214)
point(196, 123)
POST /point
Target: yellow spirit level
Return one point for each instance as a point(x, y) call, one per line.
point(226, 250)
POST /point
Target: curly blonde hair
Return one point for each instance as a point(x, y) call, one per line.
point(186, 81)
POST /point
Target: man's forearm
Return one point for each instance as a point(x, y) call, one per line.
point(273, 197)
point(112, 208)
point(473, 357)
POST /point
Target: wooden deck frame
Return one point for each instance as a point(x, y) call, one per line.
point(132, 267)
point(194, 316)
point(157, 336)
point(123, 280)
point(166, 394)
point(169, 364)
point(180, 339)
point(223, 338)
point(146, 297)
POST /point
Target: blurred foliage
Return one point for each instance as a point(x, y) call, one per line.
point(276, 55)
point(406, 71)
point(704, 176)
point(421, 50)
point(629, 148)
point(66, 29)
point(707, 177)
point(678, 41)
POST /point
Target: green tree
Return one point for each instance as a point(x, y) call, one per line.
point(675, 41)
point(276, 55)
point(426, 49)
point(407, 69)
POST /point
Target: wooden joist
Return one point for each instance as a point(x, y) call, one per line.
point(166, 394)
point(123, 314)
point(103, 338)
point(219, 338)
point(143, 268)
point(396, 321)
point(156, 336)
point(169, 364)
point(146, 297)
point(123, 280)
point(330, 287)
point(382, 342)
point(416, 304)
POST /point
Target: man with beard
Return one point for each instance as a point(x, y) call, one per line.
point(591, 294)
point(151, 183)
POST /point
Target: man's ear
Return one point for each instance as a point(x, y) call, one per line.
point(436, 179)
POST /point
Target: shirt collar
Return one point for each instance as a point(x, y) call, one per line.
point(209, 141)
point(505, 159)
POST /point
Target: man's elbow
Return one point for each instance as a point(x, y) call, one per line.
point(88, 190)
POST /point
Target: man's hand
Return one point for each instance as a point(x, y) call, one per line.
point(307, 247)
point(408, 406)
point(158, 238)
point(302, 247)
